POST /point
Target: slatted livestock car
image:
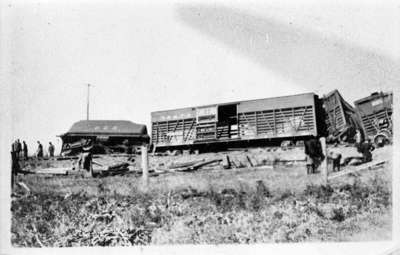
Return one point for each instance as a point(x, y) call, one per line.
point(234, 124)
point(341, 118)
point(375, 113)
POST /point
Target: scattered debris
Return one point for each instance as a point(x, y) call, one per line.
point(118, 166)
point(248, 158)
point(185, 164)
point(113, 172)
point(23, 185)
point(263, 167)
point(198, 165)
point(72, 157)
point(53, 171)
point(358, 168)
point(67, 158)
point(226, 163)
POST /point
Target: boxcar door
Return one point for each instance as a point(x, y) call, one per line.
point(206, 127)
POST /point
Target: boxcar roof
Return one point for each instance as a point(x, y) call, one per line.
point(256, 104)
point(109, 127)
point(335, 92)
point(372, 97)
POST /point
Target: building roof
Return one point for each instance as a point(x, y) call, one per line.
point(107, 127)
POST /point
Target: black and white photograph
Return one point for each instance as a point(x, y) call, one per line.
point(177, 125)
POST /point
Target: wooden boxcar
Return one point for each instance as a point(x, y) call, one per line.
point(289, 117)
point(375, 113)
point(340, 118)
point(104, 136)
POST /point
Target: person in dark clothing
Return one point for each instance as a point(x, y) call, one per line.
point(25, 150)
point(39, 152)
point(19, 149)
point(51, 150)
point(127, 148)
point(313, 151)
point(85, 160)
point(358, 139)
point(334, 158)
point(15, 167)
point(365, 149)
point(14, 147)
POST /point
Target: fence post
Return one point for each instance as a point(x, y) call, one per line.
point(145, 165)
point(324, 163)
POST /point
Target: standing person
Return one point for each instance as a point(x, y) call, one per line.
point(334, 158)
point(14, 147)
point(51, 150)
point(15, 167)
point(359, 139)
point(365, 148)
point(25, 150)
point(127, 149)
point(19, 148)
point(85, 160)
point(39, 152)
point(314, 155)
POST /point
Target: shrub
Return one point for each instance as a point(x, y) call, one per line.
point(241, 215)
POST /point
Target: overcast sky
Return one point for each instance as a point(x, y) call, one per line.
point(143, 58)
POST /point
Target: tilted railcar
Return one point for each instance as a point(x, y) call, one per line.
point(340, 117)
point(270, 119)
point(375, 113)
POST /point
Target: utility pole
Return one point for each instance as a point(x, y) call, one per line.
point(87, 101)
point(145, 166)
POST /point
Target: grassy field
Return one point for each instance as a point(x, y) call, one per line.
point(208, 207)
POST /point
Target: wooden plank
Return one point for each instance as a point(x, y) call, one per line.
point(251, 163)
point(185, 164)
point(356, 169)
point(197, 166)
point(226, 163)
point(60, 171)
point(263, 167)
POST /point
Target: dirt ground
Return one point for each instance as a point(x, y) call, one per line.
point(280, 170)
point(293, 156)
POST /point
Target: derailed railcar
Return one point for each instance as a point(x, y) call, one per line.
point(270, 119)
point(375, 113)
point(103, 136)
point(340, 117)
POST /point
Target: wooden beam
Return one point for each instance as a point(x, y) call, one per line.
point(324, 163)
point(145, 165)
point(358, 168)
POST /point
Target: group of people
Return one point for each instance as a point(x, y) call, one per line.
point(20, 150)
point(39, 151)
point(315, 155)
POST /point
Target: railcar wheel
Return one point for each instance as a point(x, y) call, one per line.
point(381, 139)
